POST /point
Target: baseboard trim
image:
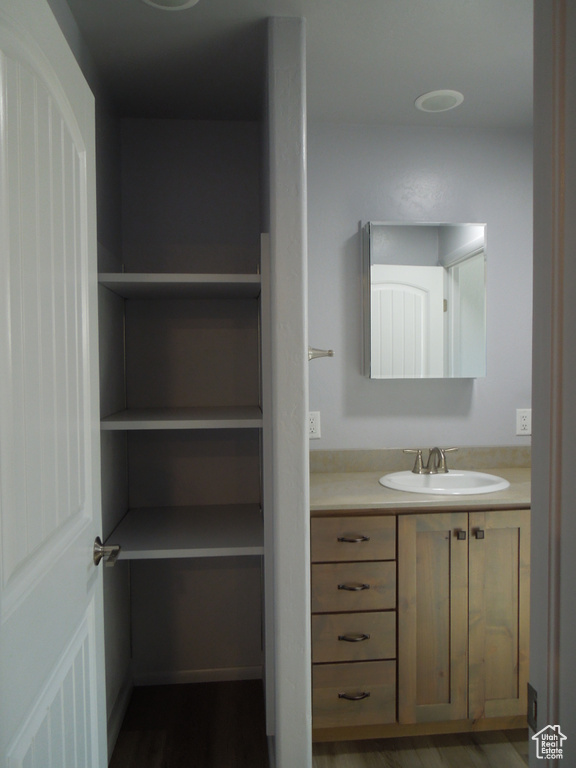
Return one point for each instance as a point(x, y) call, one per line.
point(175, 677)
point(395, 730)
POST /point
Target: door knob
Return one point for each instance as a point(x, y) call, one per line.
point(109, 554)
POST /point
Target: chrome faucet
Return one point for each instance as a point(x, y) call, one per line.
point(436, 463)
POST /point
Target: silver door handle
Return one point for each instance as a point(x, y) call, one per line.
point(109, 554)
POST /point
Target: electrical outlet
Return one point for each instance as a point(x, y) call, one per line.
point(313, 424)
point(524, 421)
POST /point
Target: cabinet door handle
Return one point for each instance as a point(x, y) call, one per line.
point(357, 587)
point(461, 535)
point(356, 638)
point(479, 533)
point(353, 539)
point(354, 696)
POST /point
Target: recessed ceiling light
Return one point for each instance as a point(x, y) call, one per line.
point(439, 101)
point(171, 5)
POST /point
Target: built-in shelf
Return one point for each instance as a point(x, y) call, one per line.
point(143, 285)
point(203, 531)
point(221, 417)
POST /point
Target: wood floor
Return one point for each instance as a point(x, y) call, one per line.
point(502, 749)
point(205, 725)
point(221, 725)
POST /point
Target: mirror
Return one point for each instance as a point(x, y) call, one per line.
point(424, 300)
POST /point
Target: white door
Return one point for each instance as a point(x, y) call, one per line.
point(466, 347)
point(52, 711)
point(407, 321)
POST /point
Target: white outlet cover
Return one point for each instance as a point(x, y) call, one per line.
point(314, 425)
point(524, 421)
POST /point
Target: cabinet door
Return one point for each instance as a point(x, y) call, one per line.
point(432, 617)
point(499, 612)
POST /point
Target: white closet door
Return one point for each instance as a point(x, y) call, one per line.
point(52, 711)
point(407, 321)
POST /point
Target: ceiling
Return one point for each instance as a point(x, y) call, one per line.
point(367, 60)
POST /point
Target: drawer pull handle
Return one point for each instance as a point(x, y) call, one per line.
point(357, 638)
point(354, 696)
point(354, 587)
point(353, 539)
point(479, 533)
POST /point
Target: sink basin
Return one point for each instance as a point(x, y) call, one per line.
point(453, 483)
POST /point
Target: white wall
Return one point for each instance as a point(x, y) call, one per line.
point(360, 173)
point(292, 746)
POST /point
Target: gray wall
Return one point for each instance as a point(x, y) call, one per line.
point(360, 173)
point(553, 566)
point(415, 246)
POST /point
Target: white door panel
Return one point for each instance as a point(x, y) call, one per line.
point(51, 650)
point(407, 321)
point(54, 734)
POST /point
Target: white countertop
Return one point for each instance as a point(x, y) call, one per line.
point(362, 491)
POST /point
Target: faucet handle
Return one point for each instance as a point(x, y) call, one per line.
point(443, 452)
point(418, 466)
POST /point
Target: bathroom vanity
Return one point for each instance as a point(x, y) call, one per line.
point(420, 607)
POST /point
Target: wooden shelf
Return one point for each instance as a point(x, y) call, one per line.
point(143, 285)
point(178, 532)
point(223, 417)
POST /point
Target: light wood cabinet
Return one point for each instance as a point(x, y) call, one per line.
point(432, 617)
point(499, 607)
point(463, 607)
point(439, 599)
point(354, 694)
point(354, 621)
point(354, 636)
point(369, 586)
point(348, 539)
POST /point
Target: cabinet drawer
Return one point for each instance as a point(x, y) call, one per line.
point(353, 636)
point(335, 539)
point(353, 587)
point(353, 694)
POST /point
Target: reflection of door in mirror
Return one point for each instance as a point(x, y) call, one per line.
point(407, 321)
point(467, 316)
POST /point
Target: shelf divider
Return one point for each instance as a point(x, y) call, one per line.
point(229, 530)
point(145, 285)
point(221, 417)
